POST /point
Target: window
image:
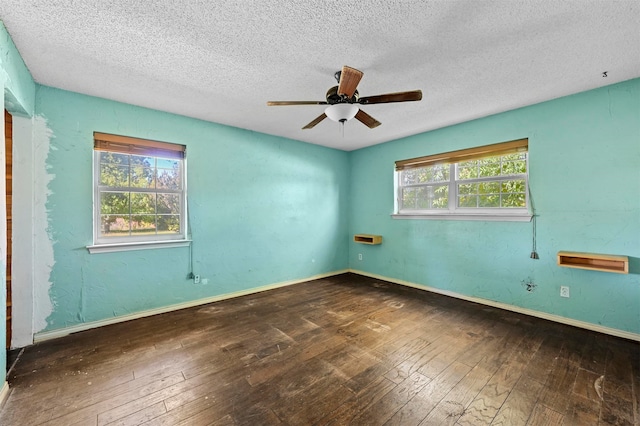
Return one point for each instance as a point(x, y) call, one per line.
point(489, 182)
point(139, 190)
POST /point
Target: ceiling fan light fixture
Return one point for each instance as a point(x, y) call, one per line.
point(341, 112)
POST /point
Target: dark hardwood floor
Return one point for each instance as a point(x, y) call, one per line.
point(346, 350)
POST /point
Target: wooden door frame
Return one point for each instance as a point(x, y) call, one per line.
point(8, 134)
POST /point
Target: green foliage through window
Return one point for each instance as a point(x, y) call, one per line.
point(139, 196)
point(490, 183)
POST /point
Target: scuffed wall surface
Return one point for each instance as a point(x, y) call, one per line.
point(585, 179)
point(43, 259)
point(262, 209)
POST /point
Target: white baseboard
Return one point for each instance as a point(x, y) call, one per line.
point(544, 315)
point(4, 393)
point(54, 334)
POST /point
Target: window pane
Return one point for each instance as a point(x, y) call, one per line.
point(169, 178)
point(422, 198)
point(513, 186)
point(408, 177)
point(142, 177)
point(143, 224)
point(489, 167)
point(468, 201)
point(468, 171)
point(515, 156)
point(169, 204)
point(114, 176)
point(409, 197)
point(166, 163)
point(426, 197)
point(168, 224)
point(514, 167)
point(489, 200)
point(489, 188)
point(114, 225)
point(439, 197)
point(437, 173)
point(514, 200)
point(143, 203)
point(467, 189)
point(114, 203)
point(114, 158)
point(142, 171)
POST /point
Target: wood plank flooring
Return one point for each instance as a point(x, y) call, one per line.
point(346, 350)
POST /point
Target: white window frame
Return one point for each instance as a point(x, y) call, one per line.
point(453, 212)
point(152, 149)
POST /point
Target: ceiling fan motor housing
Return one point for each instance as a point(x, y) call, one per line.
point(334, 98)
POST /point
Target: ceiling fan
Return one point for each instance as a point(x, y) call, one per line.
point(343, 100)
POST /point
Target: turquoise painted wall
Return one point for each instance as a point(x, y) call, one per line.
point(585, 178)
point(263, 210)
point(19, 97)
point(19, 92)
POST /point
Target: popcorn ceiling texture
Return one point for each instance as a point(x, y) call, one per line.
point(221, 61)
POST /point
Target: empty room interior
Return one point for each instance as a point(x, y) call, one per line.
point(345, 213)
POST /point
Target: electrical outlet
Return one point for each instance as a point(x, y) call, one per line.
point(564, 291)
point(196, 279)
point(359, 256)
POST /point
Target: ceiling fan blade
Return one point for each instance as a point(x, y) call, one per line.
point(282, 103)
point(367, 120)
point(315, 121)
point(349, 79)
point(413, 95)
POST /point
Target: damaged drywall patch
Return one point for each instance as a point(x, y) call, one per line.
point(42, 238)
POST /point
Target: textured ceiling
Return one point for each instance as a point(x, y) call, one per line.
point(223, 60)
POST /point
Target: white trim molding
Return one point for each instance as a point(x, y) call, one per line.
point(61, 332)
point(140, 245)
point(4, 394)
point(544, 315)
point(497, 217)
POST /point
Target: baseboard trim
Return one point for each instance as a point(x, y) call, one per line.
point(61, 332)
point(4, 393)
point(544, 315)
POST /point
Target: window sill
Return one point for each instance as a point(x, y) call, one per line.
point(146, 245)
point(488, 217)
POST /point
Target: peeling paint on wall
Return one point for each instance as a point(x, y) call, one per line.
point(43, 244)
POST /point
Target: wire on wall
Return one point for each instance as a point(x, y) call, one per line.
point(534, 253)
point(190, 275)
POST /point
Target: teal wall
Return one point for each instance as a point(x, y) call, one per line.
point(263, 210)
point(19, 90)
point(585, 178)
